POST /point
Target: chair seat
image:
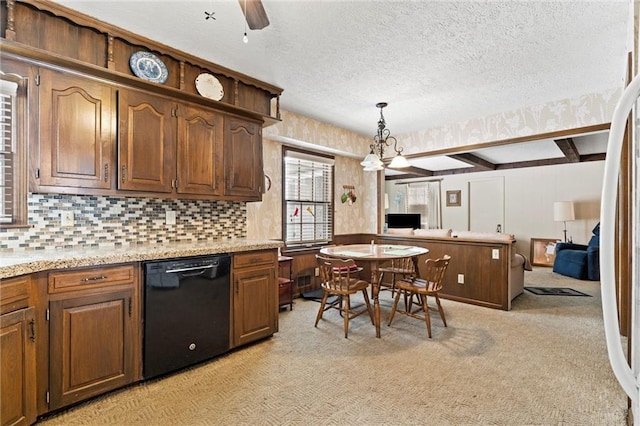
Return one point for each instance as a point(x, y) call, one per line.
point(398, 268)
point(415, 285)
point(352, 286)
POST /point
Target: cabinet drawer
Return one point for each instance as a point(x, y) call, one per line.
point(254, 258)
point(90, 278)
point(14, 294)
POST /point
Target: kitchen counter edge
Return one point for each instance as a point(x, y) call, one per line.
point(14, 264)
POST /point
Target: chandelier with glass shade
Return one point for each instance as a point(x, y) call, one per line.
point(381, 141)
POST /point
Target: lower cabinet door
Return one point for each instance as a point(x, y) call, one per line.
point(91, 346)
point(254, 304)
point(18, 368)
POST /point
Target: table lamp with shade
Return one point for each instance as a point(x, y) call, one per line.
point(562, 212)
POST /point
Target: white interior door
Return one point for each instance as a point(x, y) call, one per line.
point(486, 205)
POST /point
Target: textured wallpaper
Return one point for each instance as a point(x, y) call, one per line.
point(264, 219)
point(564, 114)
point(299, 129)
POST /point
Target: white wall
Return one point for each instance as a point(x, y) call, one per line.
point(529, 196)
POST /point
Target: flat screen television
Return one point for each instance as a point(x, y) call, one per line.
point(403, 220)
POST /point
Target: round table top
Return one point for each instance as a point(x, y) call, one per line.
point(373, 251)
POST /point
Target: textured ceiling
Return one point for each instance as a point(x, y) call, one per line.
point(434, 62)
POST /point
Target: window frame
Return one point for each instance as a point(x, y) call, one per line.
point(330, 203)
point(19, 212)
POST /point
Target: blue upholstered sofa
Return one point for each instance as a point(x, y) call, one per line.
point(579, 260)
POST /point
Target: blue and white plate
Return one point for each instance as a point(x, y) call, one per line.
point(148, 66)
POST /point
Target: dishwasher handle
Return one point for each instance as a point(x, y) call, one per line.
point(196, 268)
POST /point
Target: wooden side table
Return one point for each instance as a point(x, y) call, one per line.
point(285, 281)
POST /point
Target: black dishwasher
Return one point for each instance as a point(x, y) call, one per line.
point(186, 312)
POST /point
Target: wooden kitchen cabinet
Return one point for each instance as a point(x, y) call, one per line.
point(94, 335)
point(243, 158)
point(76, 146)
point(18, 367)
point(147, 142)
point(96, 138)
point(17, 353)
point(255, 296)
point(200, 156)
point(167, 145)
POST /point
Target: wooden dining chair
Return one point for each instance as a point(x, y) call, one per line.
point(336, 275)
point(429, 284)
point(398, 269)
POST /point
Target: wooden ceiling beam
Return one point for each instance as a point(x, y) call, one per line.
point(533, 163)
point(593, 157)
point(477, 164)
point(416, 171)
point(410, 172)
point(568, 148)
point(455, 171)
point(474, 160)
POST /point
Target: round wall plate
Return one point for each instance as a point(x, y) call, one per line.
point(209, 86)
point(148, 66)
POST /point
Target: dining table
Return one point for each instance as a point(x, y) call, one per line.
point(375, 255)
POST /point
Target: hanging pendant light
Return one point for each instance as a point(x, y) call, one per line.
point(372, 160)
point(383, 139)
point(399, 162)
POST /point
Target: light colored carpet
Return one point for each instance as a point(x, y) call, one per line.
point(542, 363)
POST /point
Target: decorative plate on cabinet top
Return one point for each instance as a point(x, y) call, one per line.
point(148, 66)
point(209, 86)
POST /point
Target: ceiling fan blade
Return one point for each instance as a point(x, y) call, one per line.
point(255, 15)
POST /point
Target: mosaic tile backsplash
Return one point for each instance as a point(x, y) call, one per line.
point(121, 221)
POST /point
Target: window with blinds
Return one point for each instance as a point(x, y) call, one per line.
point(308, 198)
point(8, 90)
point(424, 198)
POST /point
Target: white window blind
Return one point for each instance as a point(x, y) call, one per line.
point(424, 198)
point(8, 92)
point(308, 199)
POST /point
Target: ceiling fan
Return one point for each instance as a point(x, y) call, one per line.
point(254, 13)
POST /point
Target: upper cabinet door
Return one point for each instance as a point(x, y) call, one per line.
point(147, 142)
point(199, 151)
point(243, 159)
point(77, 145)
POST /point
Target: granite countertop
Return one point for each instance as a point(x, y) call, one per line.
point(19, 263)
